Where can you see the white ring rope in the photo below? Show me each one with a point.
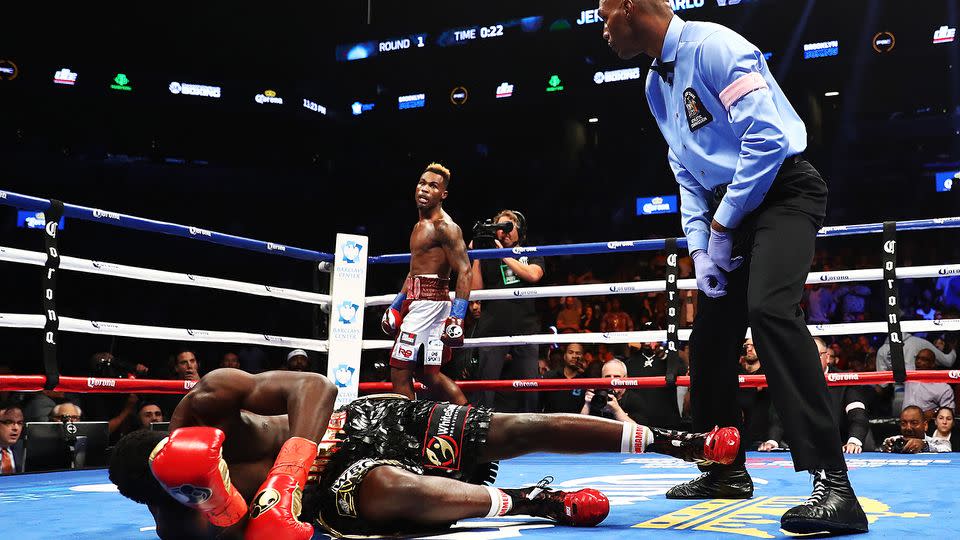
(633, 287)
(69, 324)
(841, 329)
(160, 276)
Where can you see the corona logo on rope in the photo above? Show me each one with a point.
(94, 382)
(615, 245)
(954, 374)
(197, 231)
(104, 214)
(525, 384)
(843, 377)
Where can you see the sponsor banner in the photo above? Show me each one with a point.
(348, 283)
(188, 89)
(944, 34)
(665, 204)
(616, 75)
(945, 181)
(504, 90)
(412, 101)
(65, 76)
(821, 49)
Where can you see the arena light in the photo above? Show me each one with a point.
(593, 120)
(831, 94)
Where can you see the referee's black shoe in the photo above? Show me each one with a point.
(832, 508)
(717, 483)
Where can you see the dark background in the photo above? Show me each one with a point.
(289, 175)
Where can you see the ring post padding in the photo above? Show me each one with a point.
(892, 300)
(348, 283)
(673, 312)
(51, 266)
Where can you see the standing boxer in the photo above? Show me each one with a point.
(750, 207)
(421, 316)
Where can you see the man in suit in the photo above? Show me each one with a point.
(11, 427)
(849, 405)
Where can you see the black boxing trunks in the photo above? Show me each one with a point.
(422, 437)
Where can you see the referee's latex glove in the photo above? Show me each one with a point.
(710, 279)
(720, 249)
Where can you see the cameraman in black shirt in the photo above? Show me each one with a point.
(516, 316)
(616, 403)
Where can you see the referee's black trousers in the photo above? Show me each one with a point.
(777, 242)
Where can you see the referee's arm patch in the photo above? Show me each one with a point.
(741, 87)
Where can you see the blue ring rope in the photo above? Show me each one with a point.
(26, 202)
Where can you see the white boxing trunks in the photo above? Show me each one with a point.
(422, 326)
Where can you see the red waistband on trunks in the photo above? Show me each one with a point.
(428, 288)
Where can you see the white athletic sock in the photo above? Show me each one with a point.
(635, 438)
(500, 502)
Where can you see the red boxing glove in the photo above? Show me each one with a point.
(452, 332)
(189, 465)
(276, 507)
(391, 321)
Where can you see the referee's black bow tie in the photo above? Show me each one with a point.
(665, 69)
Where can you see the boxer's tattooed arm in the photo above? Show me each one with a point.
(451, 238)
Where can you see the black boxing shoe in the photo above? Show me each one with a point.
(725, 483)
(832, 508)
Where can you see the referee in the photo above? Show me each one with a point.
(750, 208)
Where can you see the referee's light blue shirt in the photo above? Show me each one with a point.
(726, 121)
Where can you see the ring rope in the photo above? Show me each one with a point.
(83, 326)
(26, 202)
(646, 336)
(32, 383)
(594, 248)
(76, 264)
(633, 287)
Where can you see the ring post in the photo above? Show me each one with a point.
(348, 283)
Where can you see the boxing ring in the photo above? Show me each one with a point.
(902, 495)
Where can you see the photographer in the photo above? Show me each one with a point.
(116, 409)
(616, 404)
(515, 316)
(913, 438)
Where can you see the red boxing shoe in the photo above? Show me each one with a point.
(720, 445)
(582, 508)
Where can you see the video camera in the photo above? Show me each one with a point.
(600, 399)
(485, 232)
(111, 368)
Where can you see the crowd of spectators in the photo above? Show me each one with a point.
(122, 413)
(915, 417)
